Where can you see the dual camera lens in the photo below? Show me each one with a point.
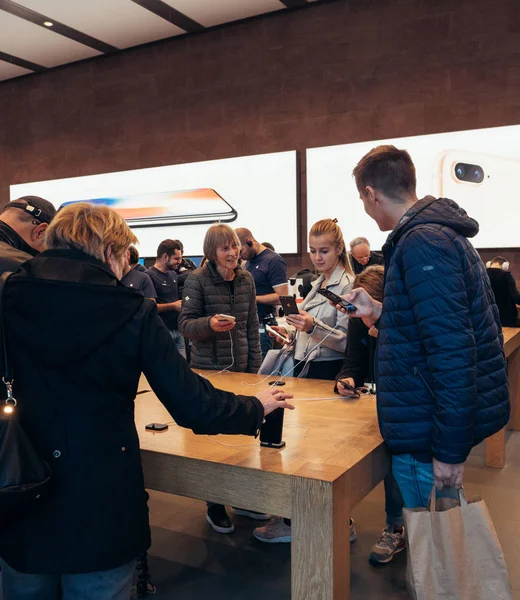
(470, 173)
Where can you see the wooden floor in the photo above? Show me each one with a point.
(191, 562)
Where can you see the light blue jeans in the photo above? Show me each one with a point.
(179, 341)
(115, 584)
(415, 480)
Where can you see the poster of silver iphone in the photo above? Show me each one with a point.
(479, 169)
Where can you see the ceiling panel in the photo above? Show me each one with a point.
(8, 70)
(216, 12)
(121, 23)
(41, 46)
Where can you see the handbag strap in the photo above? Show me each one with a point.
(5, 365)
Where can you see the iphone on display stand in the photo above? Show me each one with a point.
(485, 186)
(188, 207)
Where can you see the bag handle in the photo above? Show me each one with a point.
(461, 498)
(5, 365)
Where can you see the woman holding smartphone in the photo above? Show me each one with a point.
(356, 371)
(219, 316)
(318, 332)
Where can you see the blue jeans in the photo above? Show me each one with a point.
(115, 584)
(415, 480)
(393, 502)
(266, 343)
(179, 342)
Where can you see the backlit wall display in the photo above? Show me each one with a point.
(182, 201)
(479, 169)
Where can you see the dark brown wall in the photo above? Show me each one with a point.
(334, 73)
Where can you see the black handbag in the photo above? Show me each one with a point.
(24, 476)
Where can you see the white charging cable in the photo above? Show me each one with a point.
(304, 359)
(232, 356)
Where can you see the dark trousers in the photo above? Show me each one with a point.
(326, 369)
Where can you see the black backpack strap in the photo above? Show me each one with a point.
(5, 366)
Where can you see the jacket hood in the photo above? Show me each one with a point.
(64, 304)
(497, 275)
(441, 211)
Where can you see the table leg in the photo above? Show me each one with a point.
(320, 551)
(513, 372)
(496, 449)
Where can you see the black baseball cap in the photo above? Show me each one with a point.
(39, 208)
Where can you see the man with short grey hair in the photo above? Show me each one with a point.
(22, 227)
(362, 257)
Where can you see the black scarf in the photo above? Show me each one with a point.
(9, 236)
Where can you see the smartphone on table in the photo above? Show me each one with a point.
(337, 299)
(272, 430)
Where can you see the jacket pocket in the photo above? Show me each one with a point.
(417, 373)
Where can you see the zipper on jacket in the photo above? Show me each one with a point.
(232, 296)
(417, 373)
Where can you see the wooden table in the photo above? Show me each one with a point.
(334, 457)
(496, 444)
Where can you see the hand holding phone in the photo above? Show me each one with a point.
(277, 332)
(346, 387)
(337, 300)
(229, 318)
(219, 324)
(367, 308)
(303, 321)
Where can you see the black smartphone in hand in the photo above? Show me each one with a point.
(349, 387)
(337, 299)
(289, 305)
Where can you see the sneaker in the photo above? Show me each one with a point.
(390, 543)
(353, 534)
(144, 587)
(275, 532)
(251, 514)
(218, 518)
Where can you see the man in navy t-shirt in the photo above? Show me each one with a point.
(269, 271)
(164, 278)
(137, 280)
(134, 260)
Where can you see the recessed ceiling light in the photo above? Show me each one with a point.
(48, 23)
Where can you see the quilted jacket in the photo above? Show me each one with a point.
(440, 366)
(205, 294)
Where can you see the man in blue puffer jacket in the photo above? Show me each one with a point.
(440, 365)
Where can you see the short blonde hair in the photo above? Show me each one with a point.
(218, 235)
(91, 228)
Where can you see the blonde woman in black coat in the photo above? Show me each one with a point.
(78, 341)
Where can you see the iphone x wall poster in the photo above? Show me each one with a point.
(478, 169)
(182, 201)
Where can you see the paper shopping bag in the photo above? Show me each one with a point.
(454, 552)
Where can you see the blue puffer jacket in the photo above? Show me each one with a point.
(440, 365)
